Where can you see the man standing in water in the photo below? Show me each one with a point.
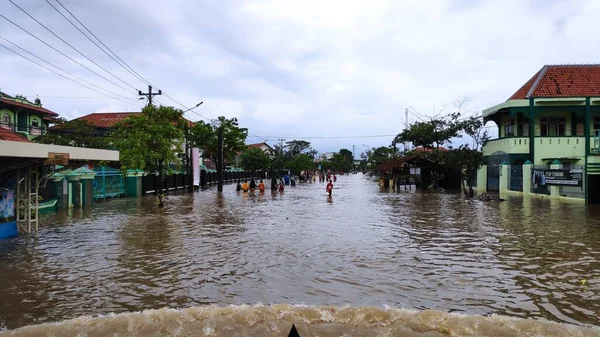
(329, 187)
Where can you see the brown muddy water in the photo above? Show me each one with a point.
(382, 264)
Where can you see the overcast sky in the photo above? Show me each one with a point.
(299, 68)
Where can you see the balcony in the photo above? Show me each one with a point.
(559, 147)
(24, 129)
(512, 145)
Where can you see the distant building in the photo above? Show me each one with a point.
(326, 156)
(21, 118)
(265, 147)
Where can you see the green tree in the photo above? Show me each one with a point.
(205, 136)
(79, 133)
(254, 159)
(434, 132)
(302, 162)
(151, 141)
(377, 156)
(296, 147)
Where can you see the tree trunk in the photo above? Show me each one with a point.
(160, 183)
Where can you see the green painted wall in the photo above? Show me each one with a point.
(10, 113)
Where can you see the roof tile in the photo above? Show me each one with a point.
(12, 136)
(562, 81)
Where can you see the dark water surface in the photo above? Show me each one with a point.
(365, 247)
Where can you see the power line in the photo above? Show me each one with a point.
(124, 64)
(78, 97)
(102, 43)
(89, 38)
(79, 78)
(324, 137)
(34, 19)
(57, 73)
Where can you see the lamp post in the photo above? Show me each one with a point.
(218, 125)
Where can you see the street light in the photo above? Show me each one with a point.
(194, 107)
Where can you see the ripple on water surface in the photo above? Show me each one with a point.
(365, 247)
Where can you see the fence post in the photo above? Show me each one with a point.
(527, 177)
(503, 184)
(482, 179)
(104, 182)
(555, 190)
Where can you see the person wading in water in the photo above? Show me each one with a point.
(329, 187)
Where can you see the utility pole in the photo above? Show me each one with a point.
(405, 128)
(221, 159)
(353, 157)
(149, 94)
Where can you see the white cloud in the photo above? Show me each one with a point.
(310, 68)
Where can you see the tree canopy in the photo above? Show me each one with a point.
(204, 136)
(78, 133)
(151, 140)
(254, 159)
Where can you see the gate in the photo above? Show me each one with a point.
(516, 178)
(493, 170)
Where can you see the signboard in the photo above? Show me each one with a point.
(557, 177)
(356, 162)
(55, 158)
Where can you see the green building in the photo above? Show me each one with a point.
(548, 136)
(27, 119)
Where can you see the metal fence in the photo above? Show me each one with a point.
(574, 191)
(108, 183)
(515, 178)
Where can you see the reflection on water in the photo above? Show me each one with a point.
(364, 247)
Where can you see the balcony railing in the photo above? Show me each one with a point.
(507, 145)
(26, 129)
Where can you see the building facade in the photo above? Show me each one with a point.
(24, 118)
(548, 136)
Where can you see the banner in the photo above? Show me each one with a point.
(557, 177)
(196, 165)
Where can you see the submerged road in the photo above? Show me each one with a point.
(363, 247)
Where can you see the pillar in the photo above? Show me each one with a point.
(133, 184)
(503, 188)
(527, 166)
(87, 195)
(555, 190)
(482, 179)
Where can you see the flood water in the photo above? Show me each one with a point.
(387, 253)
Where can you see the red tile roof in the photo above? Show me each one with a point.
(105, 119)
(110, 119)
(12, 136)
(27, 106)
(562, 81)
(428, 149)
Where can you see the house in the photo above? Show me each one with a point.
(548, 139)
(263, 146)
(21, 118)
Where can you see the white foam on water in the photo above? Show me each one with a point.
(276, 321)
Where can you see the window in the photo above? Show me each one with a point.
(579, 128)
(35, 123)
(508, 128)
(552, 127)
(6, 118)
(596, 123)
(525, 129)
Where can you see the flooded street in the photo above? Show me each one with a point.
(527, 259)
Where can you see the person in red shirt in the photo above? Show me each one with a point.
(329, 187)
(334, 178)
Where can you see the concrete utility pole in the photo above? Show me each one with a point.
(353, 157)
(149, 94)
(405, 128)
(221, 159)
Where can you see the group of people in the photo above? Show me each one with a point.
(252, 186)
(280, 185)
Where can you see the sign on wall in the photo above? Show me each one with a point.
(557, 177)
(55, 158)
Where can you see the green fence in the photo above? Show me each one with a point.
(108, 183)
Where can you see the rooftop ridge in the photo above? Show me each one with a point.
(537, 81)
